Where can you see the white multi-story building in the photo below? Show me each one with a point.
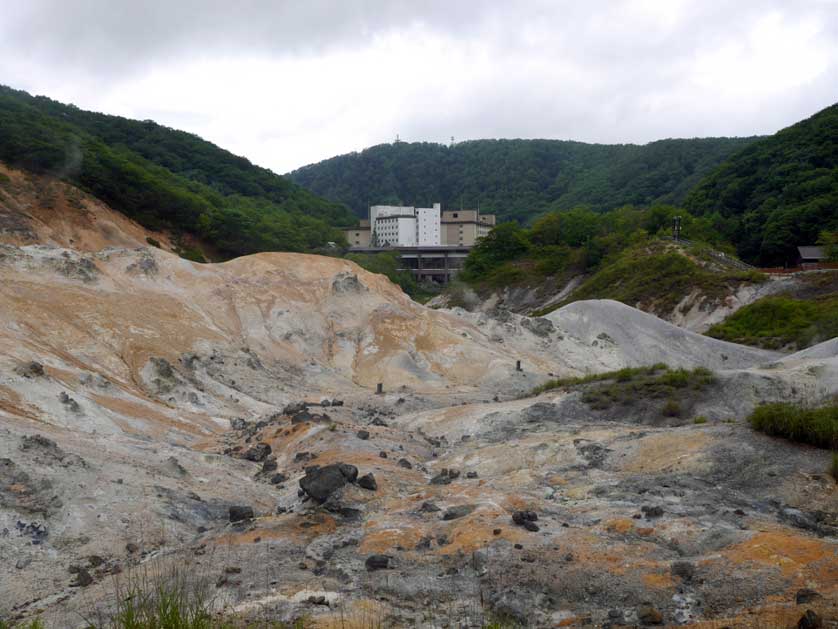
(401, 226)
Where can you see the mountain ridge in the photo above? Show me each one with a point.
(517, 178)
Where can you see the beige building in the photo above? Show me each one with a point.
(464, 227)
(457, 228)
(359, 236)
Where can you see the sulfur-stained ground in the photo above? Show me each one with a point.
(133, 384)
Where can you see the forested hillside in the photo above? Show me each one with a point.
(518, 179)
(166, 178)
(779, 192)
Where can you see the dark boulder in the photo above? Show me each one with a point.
(405, 464)
(810, 620)
(269, 465)
(294, 408)
(377, 562)
(429, 507)
(806, 596)
(257, 453)
(278, 478)
(683, 569)
(519, 517)
(322, 482)
(526, 519)
(240, 513)
(349, 471)
(83, 578)
(652, 512)
(363, 434)
(368, 482)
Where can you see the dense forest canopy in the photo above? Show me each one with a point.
(518, 179)
(779, 192)
(165, 178)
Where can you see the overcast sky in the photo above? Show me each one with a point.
(288, 83)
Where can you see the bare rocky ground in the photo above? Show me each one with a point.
(222, 420)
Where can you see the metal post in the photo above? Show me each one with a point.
(518, 365)
(379, 389)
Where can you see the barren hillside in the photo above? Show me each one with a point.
(223, 418)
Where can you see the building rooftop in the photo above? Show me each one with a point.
(811, 252)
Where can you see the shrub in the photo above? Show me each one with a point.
(833, 468)
(671, 409)
(815, 426)
(700, 419)
(153, 241)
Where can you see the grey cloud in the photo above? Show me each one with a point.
(599, 70)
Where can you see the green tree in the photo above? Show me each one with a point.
(505, 242)
(829, 241)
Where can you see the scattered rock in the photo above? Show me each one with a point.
(541, 412)
(810, 620)
(257, 453)
(69, 402)
(317, 600)
(379, 422)
(526, 519)
(445, 477)
(648, 615)
(278, 478)
(429, 507)
(806, 596)
(683, 569)
(172, 467)
(471, 474)
(83, 578)
(363, 434)
(539, 326)
(293, 408)
(652, 512)
(241, 513)
(377, 562)
(237, 423)
(368, 482)
(405, 464)
(459, 511)
(347, 283)
(31, 370)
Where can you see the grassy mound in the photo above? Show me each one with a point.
(815, 426)
(630, 385)
(776, 322)
(658, 279)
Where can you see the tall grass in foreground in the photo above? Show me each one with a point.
(815, 426)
